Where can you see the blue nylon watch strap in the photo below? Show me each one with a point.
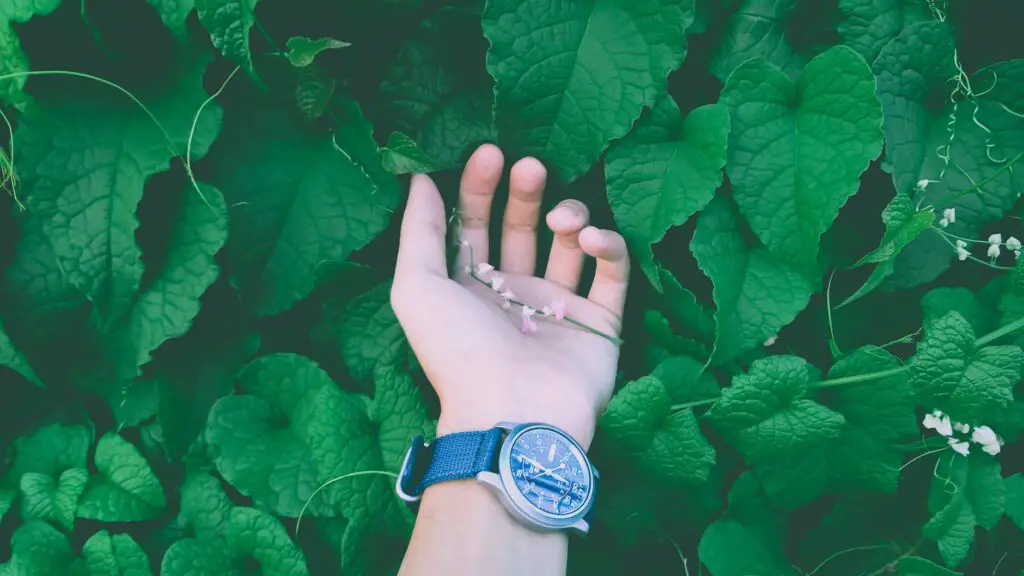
(450, 457)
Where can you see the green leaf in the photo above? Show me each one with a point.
(1014, 488)
(403, 156)
(205, 507)
(293, 431)
(562, 97)
(950, 374)
(44, 499)
(400, 411)
(50, 450)
(370, 331)
(437, 90)
(229, 22)
(302, 51)
(965, 492)
(174, 13)
(756, 293)
(667, 445)
(305, 200)
(38, 549)
(941, 301)
(913, 74)
(85, 190)
(758, 29)
(728, 548)
(766, 414)
(880, 421)
(664, 171)
(166, 308)
(114, 555)
(787, 140)
(313, 92)
(13, 359)
(12, 59)
(903, 223)
(247, 534)
(868, 25)
(686, 380)
(125, 490)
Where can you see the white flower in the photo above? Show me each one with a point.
(959, 447)
(497, 282)
(771, 340)
(962, 254)
(507, 297)
(993, 251)
(995, 239)
(960, 244)
(939, 422)
(949, 214)
(944, 222)
(1013, 244)
(483, 269)
(961, 427)
(988, 439)
(528, 312)
(922, 184)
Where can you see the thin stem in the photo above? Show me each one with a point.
(841, 552)
(890, 565)
(828, 305)
(860, 378)
(694, 404)
(192, 132)
(577, 323)
(298, 521)
(972, 257)
(999, 333)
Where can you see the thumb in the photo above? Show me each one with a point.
(421, 248)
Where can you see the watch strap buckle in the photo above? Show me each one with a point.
(414, 465)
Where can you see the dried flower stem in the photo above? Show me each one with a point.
(577, 323)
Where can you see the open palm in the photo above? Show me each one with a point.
(486, 362)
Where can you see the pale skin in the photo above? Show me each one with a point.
(484, 368)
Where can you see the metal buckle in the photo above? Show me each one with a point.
(417, 445)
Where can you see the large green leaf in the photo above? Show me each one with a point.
(570, 77)
(756, 293)
(953, 375)
(174, 13)
(667, 444)
(126, 489)
(758, 30)
(663, 172)
(766, 413)
(980, 134)
(965, 492)
(85, 190)
(868, 25)
(797, 149)
(437, 91)
(302, 201)
(114, 555)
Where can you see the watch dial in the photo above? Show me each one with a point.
(549, 471)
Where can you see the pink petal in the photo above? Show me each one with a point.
(529, 326)
(558, 307)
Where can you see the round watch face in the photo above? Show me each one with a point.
(549, 471)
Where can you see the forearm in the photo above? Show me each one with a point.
(462, 528)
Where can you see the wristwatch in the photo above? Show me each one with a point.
(539, 472)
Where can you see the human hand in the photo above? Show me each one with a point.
(483, 366)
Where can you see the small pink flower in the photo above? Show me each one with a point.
(483, 269)
(507, 297)
(497, 282)
(529, 325)
(558, 307)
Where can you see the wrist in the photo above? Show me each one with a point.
(580, 426)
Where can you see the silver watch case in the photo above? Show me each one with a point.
(503, 486)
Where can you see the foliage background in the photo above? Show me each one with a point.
(162, 351)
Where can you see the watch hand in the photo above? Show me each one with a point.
(551, 473)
